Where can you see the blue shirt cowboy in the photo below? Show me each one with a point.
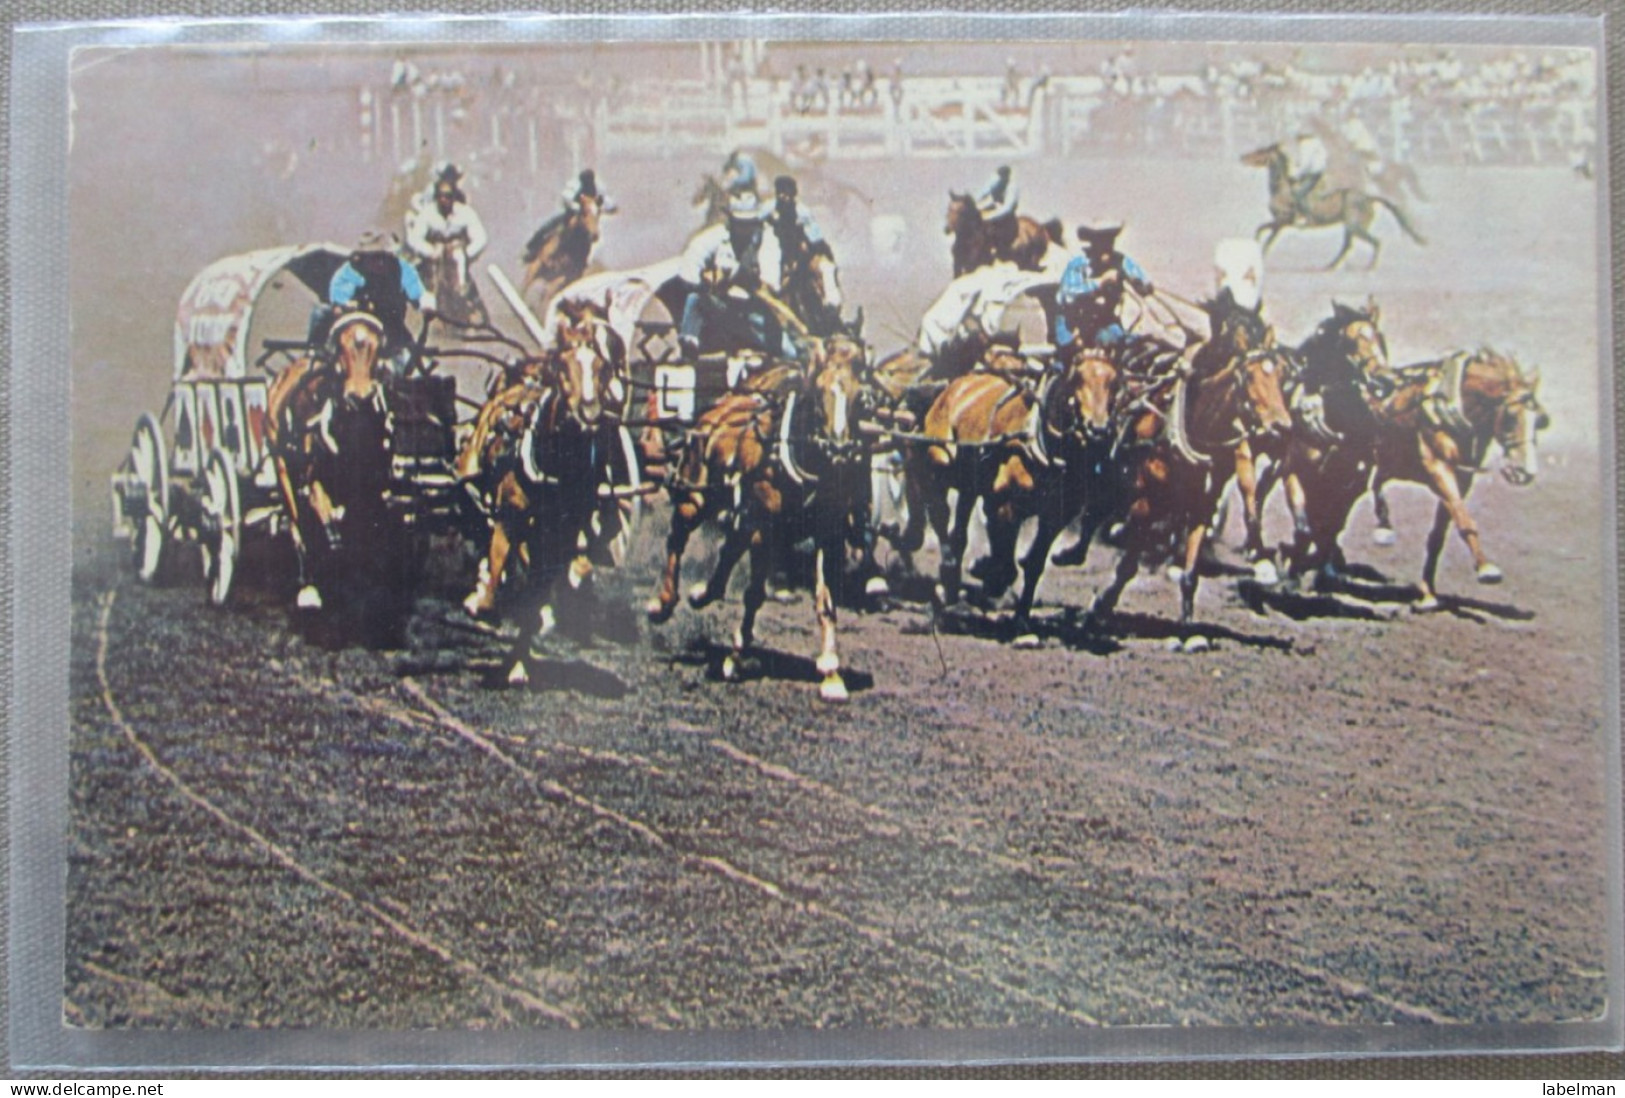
(1088, 299)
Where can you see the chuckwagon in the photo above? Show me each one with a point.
(201, 471)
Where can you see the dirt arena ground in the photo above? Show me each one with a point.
(1343, 813)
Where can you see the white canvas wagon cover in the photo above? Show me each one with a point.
(983, 295)
(628, 294)
(212, 321)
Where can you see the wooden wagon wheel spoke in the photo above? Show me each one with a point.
(222, 529)
(149, 470)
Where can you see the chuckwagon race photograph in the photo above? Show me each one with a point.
(758, 535)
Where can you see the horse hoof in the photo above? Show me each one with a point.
(1490, 574)
(1265, 572)
(833, 690)
(475, 607)
(658, 611)
(1197, 644)
(698, 597)
(1175, 573)
(545, 623)
(1427, 604)
(309, 598)
(1026, 641)
(518, 675)
(876, 588)
(782, 595)
(1384, 535)
(730, 669)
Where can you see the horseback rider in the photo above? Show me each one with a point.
(1307, 159)
(794, 225)
(996, 202)
(739, 175)
(724, 309)
(1089, 301)
(448, 227)
(448, 221)
(584, 185)
(376, 280)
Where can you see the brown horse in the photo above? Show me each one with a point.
(812, 289)
(1352, 210)
(1175, 454)
(457, 297)
(559, 252)
(1327, 461)
(784, 461)
(1024, 446)
(1324, 378)
(327, 428)
(542, 462)
(975, 244)
(1436, 429)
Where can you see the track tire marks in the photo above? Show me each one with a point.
(504, 991)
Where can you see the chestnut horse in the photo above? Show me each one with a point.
(1024, 446)
(1352, 210)
(974, 244)
(541, 460)
(1324, 383)
(558, 254)
(812, 290)
(327, 428)
(784, 462)
(1175, 454)
(1436, 429)
(457, 297)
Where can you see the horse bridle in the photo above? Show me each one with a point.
(1082, 431)
(1248, 420)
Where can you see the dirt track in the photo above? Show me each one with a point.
(1343, 813)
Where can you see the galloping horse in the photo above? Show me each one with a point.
(558, 254)
(975, 247)
(457, 297)
(1175, 454)
(812, 289)
(327, 427)
(1436, 429)
(1330, 452)
(785, 462)
(1024, 446)
(1352, 210)
(537, 461)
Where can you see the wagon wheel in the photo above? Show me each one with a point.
(149, 473)
(630, 507)
(222, 525)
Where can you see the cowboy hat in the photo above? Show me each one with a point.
(1095, 238)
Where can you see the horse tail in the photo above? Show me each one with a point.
(1399, 216)
(1055, 231)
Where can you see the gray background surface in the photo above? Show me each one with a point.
(1534, 1067)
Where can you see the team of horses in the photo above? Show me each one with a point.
(1073, 438)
